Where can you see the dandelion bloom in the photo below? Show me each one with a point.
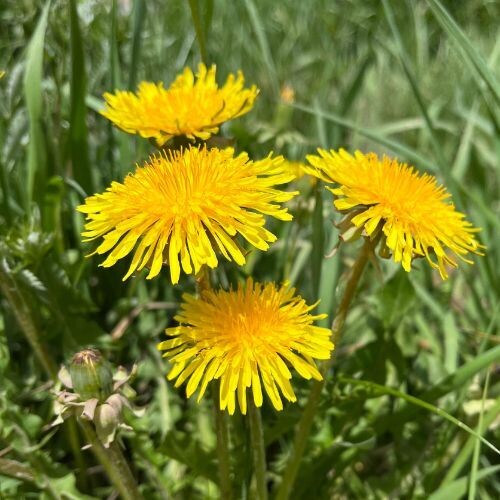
(411, 210)
(186, 206)
(249, 337)
(189, 107)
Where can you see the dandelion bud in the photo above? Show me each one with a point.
(90, 375)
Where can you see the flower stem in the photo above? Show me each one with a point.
(222, 433)
(307, 419)
(258, 450)
(114, 464)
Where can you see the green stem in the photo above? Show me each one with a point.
(114, 463)
(307, 419)
(258, 450)
(222, 433)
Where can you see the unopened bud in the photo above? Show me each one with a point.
(90, 375)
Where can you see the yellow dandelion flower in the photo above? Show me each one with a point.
(411, 210)
(187, 205)
(246, 338)
(190, 107)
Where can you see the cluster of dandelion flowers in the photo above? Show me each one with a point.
(411, 210)
(184, 207)
(191, 107)
(245, 338)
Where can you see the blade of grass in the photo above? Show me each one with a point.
(473, 478)
(121, 165)
(320, 125)
(318, 239)
(115, 70)
(330, 273)
(451, 341)
(461, 161)
(417, 402)
(467, 50)
(460, 164)
(397, 147)
(78, 143)
(36, 167)
(265, 50)
(350, 93)
(200, 34)
(302, 259)
(138, 23)
(404, 59)
(318, 228)
(207, 16)
(468, 448)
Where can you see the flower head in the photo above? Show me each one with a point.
(190, 107)
(186, 206)
(247, 337)
(409, 209)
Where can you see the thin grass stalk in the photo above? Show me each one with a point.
(138, 23)
(473, 479)
(258, 450)
(305, 424)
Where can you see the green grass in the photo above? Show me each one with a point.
(417, 361)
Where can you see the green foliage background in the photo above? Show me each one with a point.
(395, 77)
